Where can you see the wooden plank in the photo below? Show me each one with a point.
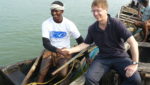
(4, 80)
(16, 77)
(144, 44)
(129, 10)
(147, 75)
(79, 81)
(129, 16)
(127, 19)
(143, 67)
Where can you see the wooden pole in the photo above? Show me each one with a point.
(31, 71)
(72, 59)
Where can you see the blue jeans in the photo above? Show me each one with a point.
(101, 66)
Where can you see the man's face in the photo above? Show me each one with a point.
(145, 4)
(99, 13)
(57, 14)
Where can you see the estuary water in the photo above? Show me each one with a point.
(20, 25)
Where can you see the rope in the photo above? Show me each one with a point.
(35, 83)
(66, 75)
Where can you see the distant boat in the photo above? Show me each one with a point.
(129, 16)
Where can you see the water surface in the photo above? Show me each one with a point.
(20, 24)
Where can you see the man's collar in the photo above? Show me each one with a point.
(108, 23)
(108, 19)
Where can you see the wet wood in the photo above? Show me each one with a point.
(132, 19)
(128, 21)
(144, 51)
(79, 81)
(128, 16)
(32, 70)
(144, 67)
(129, 10)
(144, 44)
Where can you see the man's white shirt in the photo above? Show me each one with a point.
(59, 33)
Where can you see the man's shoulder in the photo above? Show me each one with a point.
(93, 26)
(68, 21)
(49, 20)
(114, 20)
(115, 23)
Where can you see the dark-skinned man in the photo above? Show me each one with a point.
(145, 23)
(56, 32)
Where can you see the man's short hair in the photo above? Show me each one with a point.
(101, 3)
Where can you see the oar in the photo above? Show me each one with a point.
(32, 69)
(72, 59)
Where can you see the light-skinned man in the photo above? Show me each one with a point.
(109, 34)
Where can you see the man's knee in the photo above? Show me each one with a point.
(64, 72)
(135, 79)
(89, 77)
(42, 73)
(61, 61)
(91, 80)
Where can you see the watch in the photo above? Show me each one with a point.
(134, 63)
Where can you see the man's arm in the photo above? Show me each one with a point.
(131, 69)
(47, 45)
(133, 48)
(77, 48)
(80, 40)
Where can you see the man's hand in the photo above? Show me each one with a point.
(131, 69)
(64, 53)
(66, 50)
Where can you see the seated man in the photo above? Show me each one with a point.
(109, 34)
(56, 32)
(145, 23)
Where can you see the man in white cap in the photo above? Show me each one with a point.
(56, 32)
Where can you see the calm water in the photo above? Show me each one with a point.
(20, 25)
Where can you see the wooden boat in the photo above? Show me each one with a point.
(129, 16)
(17, 73)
